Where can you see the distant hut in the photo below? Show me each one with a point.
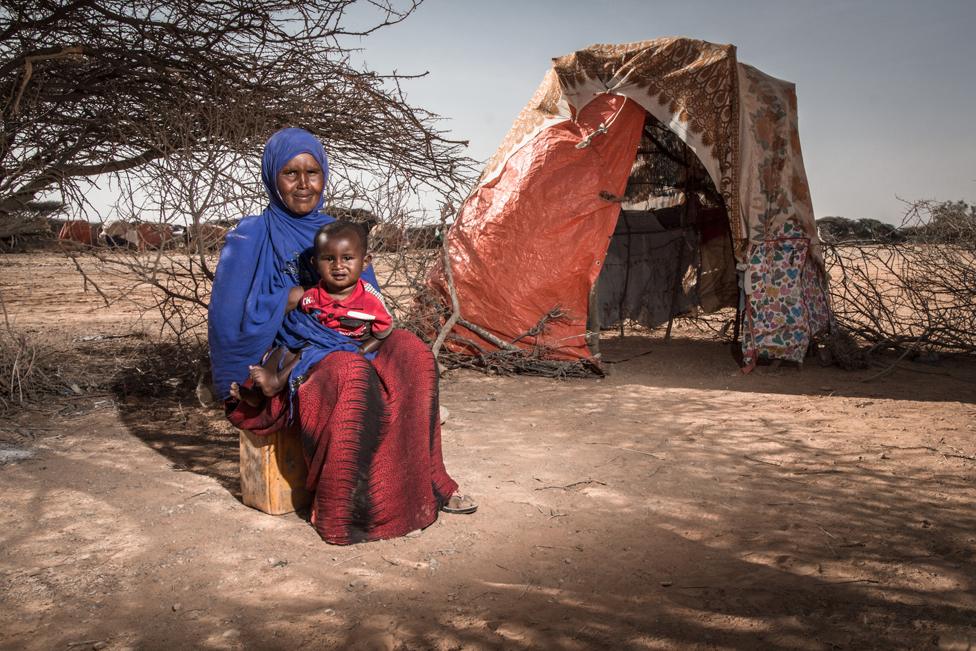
(208, 236)
(78, 231)
(153, 236)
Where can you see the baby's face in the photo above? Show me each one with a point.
(340, 261)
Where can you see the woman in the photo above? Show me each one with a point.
(370, 429)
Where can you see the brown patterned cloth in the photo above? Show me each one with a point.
(741, 123)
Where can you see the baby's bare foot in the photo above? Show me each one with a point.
(265, 379)
(235, 391)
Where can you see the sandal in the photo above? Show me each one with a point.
(459, 504)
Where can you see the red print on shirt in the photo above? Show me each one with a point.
(351, 315)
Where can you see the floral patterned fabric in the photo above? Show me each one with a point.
(785, 301)
(814, 288)
(772, 180)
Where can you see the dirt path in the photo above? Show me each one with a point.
(674, 504)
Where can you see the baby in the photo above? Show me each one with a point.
(341, 301)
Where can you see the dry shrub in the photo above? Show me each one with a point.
(917, 294)
(181, 147)
(30, 370)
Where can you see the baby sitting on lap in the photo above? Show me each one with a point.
(341, 301)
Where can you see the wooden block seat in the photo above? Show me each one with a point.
(273, 473)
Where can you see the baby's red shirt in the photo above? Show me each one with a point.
(334, 314)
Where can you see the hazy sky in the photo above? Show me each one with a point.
(886, 88)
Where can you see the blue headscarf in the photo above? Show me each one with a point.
(263, 258)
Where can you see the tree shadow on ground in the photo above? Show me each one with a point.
(155, 394)
(744, 538)
(729, 527)
(190, 438)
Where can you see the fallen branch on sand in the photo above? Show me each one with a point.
(574, 484)
(617, 447)
(922, 337)
(912, 293)
(955, 454)
(29, 367)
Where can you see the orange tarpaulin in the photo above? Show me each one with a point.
(545, 250)
(77, 231)
(154, 236)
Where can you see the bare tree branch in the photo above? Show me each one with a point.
(99, 96)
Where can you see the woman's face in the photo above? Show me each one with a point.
(300, 183)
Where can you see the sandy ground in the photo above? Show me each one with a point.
(674, 504)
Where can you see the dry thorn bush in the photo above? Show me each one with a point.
(30, 368)
(169, 105)
(915, 291)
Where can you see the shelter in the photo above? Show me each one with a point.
(143, 236)
(205, 236)
(78, 231)
(153, 236)
(642, 181)
(118, 233)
